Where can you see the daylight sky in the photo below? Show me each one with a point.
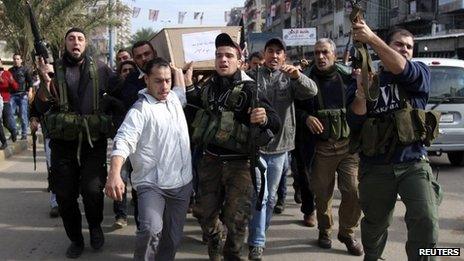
(169, 9)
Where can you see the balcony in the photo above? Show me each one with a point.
(453, 6)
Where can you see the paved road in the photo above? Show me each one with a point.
(27, 233)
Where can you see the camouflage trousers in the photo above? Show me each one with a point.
(224, 190)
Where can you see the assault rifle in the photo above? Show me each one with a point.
(40, 46)
(362, 59)
(255, 163)
(41, 49)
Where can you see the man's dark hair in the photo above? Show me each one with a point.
(124, 63)
(17, 54)
(157, 62)
(142, 43)
(122, 50)
(397, 30)
(258, 55)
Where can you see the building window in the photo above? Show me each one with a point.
(340, 30)
(314, 11)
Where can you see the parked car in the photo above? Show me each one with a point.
(447, 96)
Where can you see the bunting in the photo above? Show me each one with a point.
(196, 15)
(181, 17)
(153, 15)
(135, 12)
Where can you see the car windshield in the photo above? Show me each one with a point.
(447, 82)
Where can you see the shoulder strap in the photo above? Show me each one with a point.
(342, 89)
(62, 86)
(232, 100)
(96, 87)
(404, 97)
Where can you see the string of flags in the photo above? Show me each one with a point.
(154, 14)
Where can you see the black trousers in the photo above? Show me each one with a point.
(302, 158)
(69, 179)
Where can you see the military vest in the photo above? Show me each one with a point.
(334, 120)
(220, 128)
(408, 125)
(68, 125)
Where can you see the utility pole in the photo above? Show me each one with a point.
(110, 36)
(435, 19)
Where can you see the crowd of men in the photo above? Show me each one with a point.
(182, 141)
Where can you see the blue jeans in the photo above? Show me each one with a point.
(20, 100)
(282, 190)
(261, 219)
(8, 118)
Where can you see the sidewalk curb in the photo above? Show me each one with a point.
(19, 146)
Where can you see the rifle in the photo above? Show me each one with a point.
(255, 163)
(362, 59)
(42, 50)
(40, 46)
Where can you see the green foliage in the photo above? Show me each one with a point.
(54, 17)
(144, 34)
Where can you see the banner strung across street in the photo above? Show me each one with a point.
(299, 36)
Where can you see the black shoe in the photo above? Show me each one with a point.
(23, 137)
(324, 241)
(279, 207)
(4, 145)
(75, 250)
(97, 239)
(13, 137)
(54, 212)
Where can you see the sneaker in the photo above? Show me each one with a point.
(75, 250)
(324, 241)
(309, 220)
(97, 239)
(4, 145)
(23, 137)
(354, 247)
(120, 223)
(256, 253)
(54, 212)
(279, 207)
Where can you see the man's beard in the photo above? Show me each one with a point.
(71, 59)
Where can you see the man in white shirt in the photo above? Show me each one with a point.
(154, 136)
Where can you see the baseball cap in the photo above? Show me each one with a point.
(276, 41)
(224, 39)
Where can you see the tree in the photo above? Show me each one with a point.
(144, 34)
(54, 17)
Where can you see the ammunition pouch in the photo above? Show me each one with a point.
(68, 126)
(414, 125)
(335, 124)
(404, 127)
(221, 130)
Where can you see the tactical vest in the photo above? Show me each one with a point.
(67, 125)
(334, 120)
(408, 125)
(220, 129)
